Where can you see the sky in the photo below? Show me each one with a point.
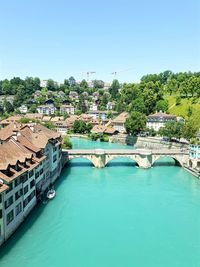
(61, 38)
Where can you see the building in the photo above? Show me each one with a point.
(18, 172)
(103, 129)
(61, 127)
(48, 109)
(37, 94)
(95, 95)
(30, 161)
(11, 119)
(94, 106)
(110, 105)
(3, 189)
(158, 120)
(73, 95)
(69, 109)
(100, 114)
(119, 122)
(23, 109)
(43, 83)
(195, 156)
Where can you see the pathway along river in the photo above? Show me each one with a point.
(119, 216)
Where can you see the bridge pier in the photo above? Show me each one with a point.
(99, 158)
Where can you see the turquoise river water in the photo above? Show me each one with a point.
(119, 216)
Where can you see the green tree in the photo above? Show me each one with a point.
(172, 129)
(114, 89)
(135, 123)
(8, 106)
(67, 144)
(162, 105)
(84, 84)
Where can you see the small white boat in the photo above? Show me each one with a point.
(51, 194)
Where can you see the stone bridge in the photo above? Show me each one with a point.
(143, 158)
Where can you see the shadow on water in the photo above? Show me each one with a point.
(80, 164)
(23, 228)
(121, 164)
(31, 218)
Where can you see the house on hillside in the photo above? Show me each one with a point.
(73, 95)
(158, 120)
(23, 109)
(119, 122)
(100, 114)
(69, 109)
(48, 109)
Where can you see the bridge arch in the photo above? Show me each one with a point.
(111, 158)
(176, 159)
(87, 158)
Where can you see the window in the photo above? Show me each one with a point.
(9, 202)
(54, 158)
(17, 181)
(37, 175)
(18, 209)
(18, 194)
(10, 188)
(0, 213)
(25, 202)
(31, 173)
(25, 177)
(25, 189)
(32, 183)
(10, 217)
(0, 198)
(41, 171)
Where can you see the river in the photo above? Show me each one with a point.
(119, 216)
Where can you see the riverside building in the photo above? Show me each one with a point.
(30, 161)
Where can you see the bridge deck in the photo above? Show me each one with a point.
(125, 152)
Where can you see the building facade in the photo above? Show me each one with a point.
(158, 120)
(30, 161)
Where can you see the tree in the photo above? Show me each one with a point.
(172, 129)
(81, 126)
(135, 123)
(1, 109)
(8, 106)
(190, 129)
(67, 144)
(72, 81)
(51, 85)
(84, 84)
(98, 84)
(114, 89)
(162, 105)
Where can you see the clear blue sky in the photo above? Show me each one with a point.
(59, 38)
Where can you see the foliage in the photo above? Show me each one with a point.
(99, 136)
(114, 89)
(81, 127)
(67, 144)
(172, 129)
(49, 125)
(135, 123)
(162, 105)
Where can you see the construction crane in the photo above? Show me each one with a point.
(88, 73)
(115, 73)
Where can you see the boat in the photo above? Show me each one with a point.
(51, 194)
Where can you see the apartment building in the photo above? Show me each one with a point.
(69, 109)
(47, 109)
(3, 189)
(30, 160)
